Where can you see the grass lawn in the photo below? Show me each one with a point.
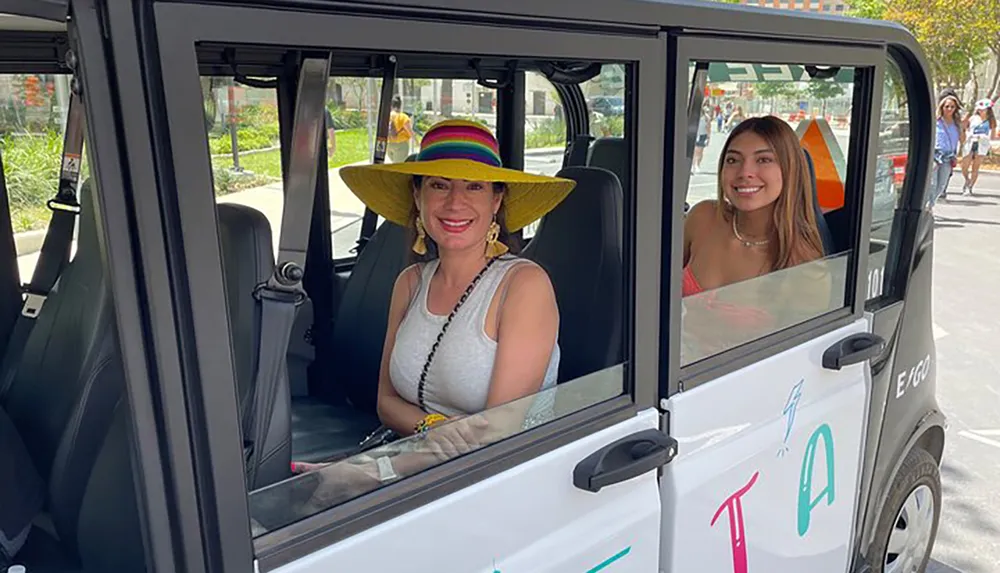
(352, 147)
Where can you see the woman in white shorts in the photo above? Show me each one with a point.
(979, 130)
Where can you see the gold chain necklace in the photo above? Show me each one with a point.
(746, 243)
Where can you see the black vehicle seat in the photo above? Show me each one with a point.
(336, 420)
(70, 376)
(579, 244)
(611, 153)
(821, 222)
(248, 260)
(68, 392)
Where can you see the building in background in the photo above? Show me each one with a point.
(822, 6)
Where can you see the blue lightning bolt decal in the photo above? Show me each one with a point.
(791, 406)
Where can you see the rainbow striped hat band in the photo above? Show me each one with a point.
(455, 149)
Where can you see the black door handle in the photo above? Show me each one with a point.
(854, 349)
(624, 459)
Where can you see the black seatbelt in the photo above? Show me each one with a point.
(576, 155)
(54, 254)
(281, 295)
(370, 218)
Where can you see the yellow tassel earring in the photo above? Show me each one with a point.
(420, 245)
(494, 248)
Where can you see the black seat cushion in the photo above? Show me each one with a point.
(579, 244)
(248, 260)
(362, 319)
(323, 431)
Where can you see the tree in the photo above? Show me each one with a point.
(824, 90)
(871, 9)
(953, 33)
(777, 90)
(991, 15)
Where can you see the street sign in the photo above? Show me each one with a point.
(737, 72)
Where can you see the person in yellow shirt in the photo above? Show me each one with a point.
(400, 132)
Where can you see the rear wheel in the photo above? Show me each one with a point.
(908, 525)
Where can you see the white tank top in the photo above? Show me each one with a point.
(459, 376)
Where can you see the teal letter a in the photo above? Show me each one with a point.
(806, 501)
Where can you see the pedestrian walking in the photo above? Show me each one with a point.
(980, 128)
(949, 139)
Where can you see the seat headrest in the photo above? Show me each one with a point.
(579, 244)
(594, 204)
(611, 153)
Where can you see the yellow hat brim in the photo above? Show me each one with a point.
(386, 189)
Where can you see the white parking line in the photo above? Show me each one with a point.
(980, 439)
(939, 332)
(987, 432)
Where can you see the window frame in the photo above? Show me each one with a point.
(179, 28)
(869, 62)
(898, 259)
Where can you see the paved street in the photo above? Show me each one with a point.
(966, 308)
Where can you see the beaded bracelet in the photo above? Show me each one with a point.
(427, 421)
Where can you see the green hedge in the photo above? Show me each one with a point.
(548, 132)
(31, 171)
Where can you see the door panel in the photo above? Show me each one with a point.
(750, 488)
(529, 518)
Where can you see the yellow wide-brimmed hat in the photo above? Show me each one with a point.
(455, 149)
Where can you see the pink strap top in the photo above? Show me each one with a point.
(690, 284)
(735, 314)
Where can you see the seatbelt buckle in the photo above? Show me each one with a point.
(68, 204)
(265, 290)
(33, 303)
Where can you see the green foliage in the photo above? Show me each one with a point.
(772, 90)
(31, 169)
(549, 132)
(872, 9)
(824, 90)
(607, 125)
(346, 118)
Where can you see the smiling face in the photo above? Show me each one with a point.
(457, 214)
(751, 176)
(948, 108)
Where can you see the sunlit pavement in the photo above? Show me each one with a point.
(966, 312)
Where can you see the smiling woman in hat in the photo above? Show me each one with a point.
(471, 326)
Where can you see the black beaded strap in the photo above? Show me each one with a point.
(444, 328)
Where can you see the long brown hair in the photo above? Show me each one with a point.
(956, 116)
(795, 234)
(432, 250)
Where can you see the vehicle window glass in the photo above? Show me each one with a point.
(605, 95)
(744, 278)
(544, 131)
(545, 140)
(890, 171)
(544, 126)
(32, 127)
(352, 107)
(249, 172)
(585, 366)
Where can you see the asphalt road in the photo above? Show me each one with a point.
(966, 309)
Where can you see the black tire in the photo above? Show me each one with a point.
(918, 468)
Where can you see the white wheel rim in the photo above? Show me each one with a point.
(911, 533)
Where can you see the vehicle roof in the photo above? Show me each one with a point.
(653, 14)
(637, 16)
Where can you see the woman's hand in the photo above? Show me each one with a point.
(459, 436)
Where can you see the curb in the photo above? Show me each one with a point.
(28, 242)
